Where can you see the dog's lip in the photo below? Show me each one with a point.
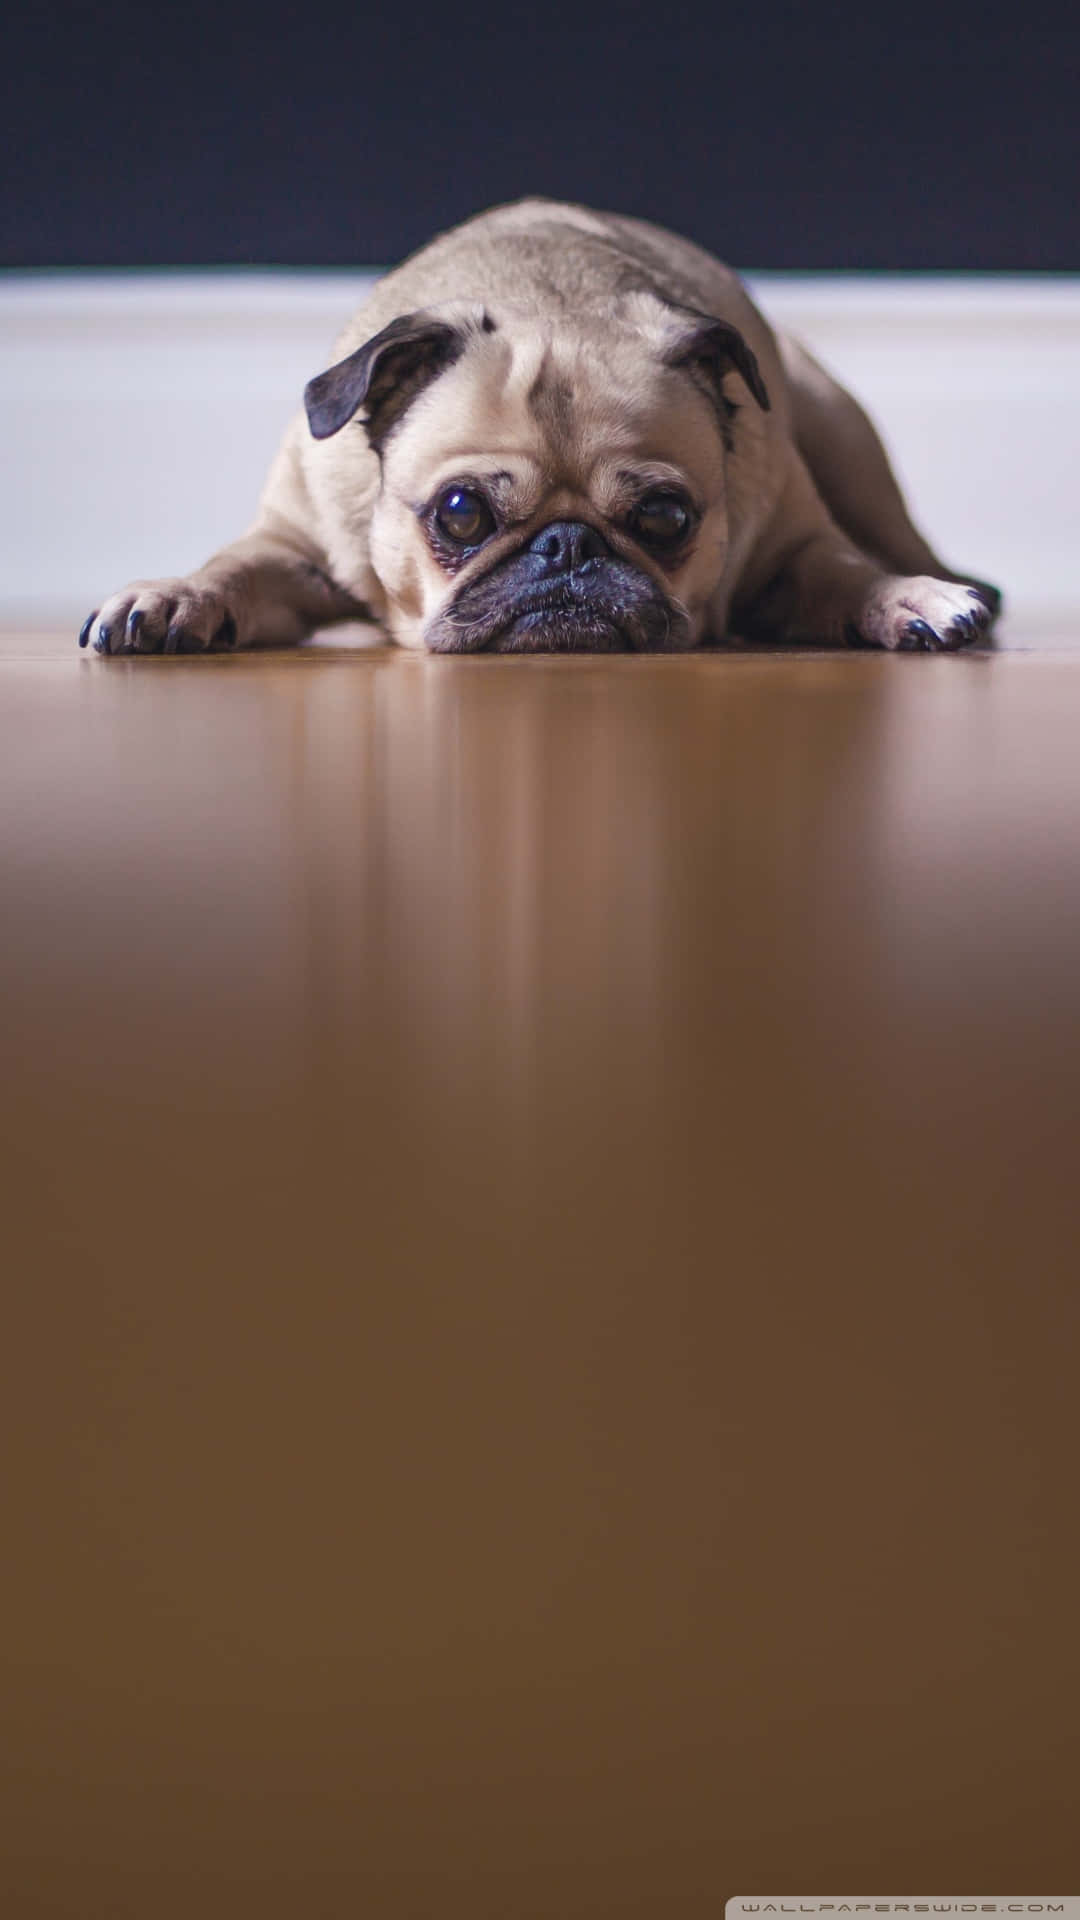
(565, 593)
(535, 613)
(564, 599)
(562, 596)
(557, 603)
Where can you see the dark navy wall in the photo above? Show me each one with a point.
(819, 136)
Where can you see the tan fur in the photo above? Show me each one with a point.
(803, 535)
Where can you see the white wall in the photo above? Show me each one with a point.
(140, 413)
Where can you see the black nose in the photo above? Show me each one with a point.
(567, 544)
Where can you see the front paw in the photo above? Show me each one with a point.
(921, 615)
(162, 616)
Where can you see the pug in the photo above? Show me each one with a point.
(559, 430)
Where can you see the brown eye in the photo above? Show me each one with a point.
(661, 519)
(464, 516)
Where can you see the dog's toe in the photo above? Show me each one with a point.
(990, 596)
(918, 637)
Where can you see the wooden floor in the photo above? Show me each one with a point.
(541, 1202)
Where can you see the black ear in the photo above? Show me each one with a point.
(385, 376)
(718, 347)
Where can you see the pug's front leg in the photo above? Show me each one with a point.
(826, 593)
(808, 584)
(267, 589)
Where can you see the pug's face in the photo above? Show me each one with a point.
(546, 488)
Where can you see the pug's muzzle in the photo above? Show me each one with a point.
(565, 592)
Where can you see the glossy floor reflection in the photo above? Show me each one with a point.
(541, 1209)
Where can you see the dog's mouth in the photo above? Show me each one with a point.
(562, 621)
(605, 607)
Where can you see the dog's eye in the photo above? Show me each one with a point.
(464, 516)
(661, 519)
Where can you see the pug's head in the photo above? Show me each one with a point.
(547, 482)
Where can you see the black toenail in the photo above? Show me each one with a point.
(135, 620)
(101, 644)
(171, 640)
(988, 597)
(84, 631)
(918, 637)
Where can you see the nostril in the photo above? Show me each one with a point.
(568, 544)
(587, 546)
(549, 544)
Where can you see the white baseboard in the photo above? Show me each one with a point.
(141, 412)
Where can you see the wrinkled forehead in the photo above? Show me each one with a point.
(553, 409)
